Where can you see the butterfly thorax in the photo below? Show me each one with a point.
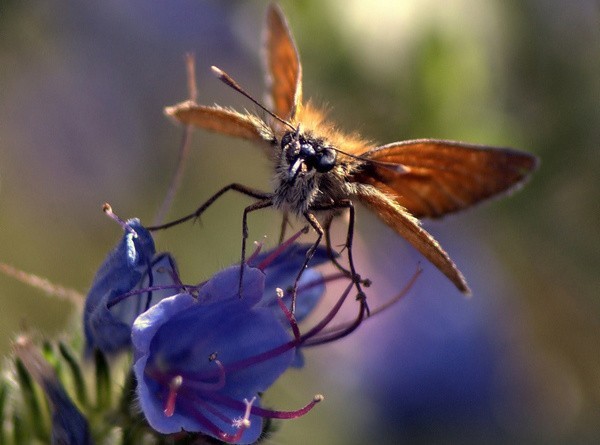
(306, 173)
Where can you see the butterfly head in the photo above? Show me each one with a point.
(304, 155)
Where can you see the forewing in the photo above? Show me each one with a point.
(436, 177)
(283, 69)
(221, 120)
(408, 227)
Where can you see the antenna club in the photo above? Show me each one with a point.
(217, 71)
(228, 80)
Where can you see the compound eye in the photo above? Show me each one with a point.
(326, 161)
(286, 139)
(307, 151)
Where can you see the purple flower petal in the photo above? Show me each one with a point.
(131, 265)
(220, 287)
(219, 349)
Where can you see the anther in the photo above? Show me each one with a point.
(258, 245)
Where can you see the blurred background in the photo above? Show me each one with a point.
(82, 88)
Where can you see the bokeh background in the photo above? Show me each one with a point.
(82, 87)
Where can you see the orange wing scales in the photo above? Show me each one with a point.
(284, 79)
(408, 227)
(221, 120)
(443, 176)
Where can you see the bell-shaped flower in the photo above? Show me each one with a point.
(132, 266)
(202, 361)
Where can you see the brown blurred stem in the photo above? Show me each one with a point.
(184, 146)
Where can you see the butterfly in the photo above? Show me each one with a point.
(320, 170)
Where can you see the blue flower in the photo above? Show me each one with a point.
(131, 266)
(202, 361)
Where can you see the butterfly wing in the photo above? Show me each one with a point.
(436, 177)
(282, 66)
(221, 120)
(408, 227)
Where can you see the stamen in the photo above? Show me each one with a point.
(271, 414)
(401, 294)
(241, 424)
(259, 358)
(288, 315)
(106, 208)
(259, 246)
(337, 332)
(268, 260)
(195, 407)
(244, 422)
(174, 386)
(332, 313)
(198, 381)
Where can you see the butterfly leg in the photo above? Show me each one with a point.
(253, 193)
(251, 208)
(349, 240)
(358, 281)
(314, 222)
(284, 223)
(264, 201)
(333, 255)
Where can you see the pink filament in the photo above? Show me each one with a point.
(174, 386)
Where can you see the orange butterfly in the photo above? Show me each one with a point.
(320, 169)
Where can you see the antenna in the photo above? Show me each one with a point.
(227, 80)
(396, 168)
